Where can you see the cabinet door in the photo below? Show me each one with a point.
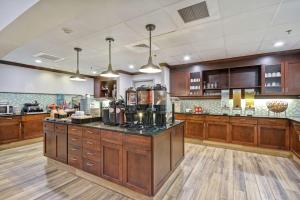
(295, 138)
(50, 143)
(194, 129)
(292, 77)
(218, 131)
(179, 83)
(245, 134)
(111, 165)
(137, 169)
(10, 130)
(177, 145)
(62, 146)
(32, 129)
(276, 137)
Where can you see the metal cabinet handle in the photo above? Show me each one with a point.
(9, 118)
(89, 153)
(74, 159)
(88, 142)
(89, 164)
(73, 149)
(73, 139)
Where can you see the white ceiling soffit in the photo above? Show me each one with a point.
(212, 6)
(40, 19)
(11, 9)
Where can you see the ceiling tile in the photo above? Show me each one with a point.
(254, 20)
(267, 45)
(233, 7)
(162, 21)
(288, 13)
(242, 50)
(280, 31)
(201, 45)
(212, 54)
(237, 40)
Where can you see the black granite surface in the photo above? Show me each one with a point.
(101, 125)
(293, 118)
(21, 114)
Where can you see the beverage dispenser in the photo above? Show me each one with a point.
(131, 105)
(160, 101)
(144, 105)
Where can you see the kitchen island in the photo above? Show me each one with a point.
(139, 160)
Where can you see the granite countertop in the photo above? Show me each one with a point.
(101, 125)
(23, 114)
(293, 118)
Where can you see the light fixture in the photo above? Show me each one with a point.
(131, 66)
(278, 44)
(77, 76)
(150, 67)
(186, 58)
(110, 73)
(38, 61)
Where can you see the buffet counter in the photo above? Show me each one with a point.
(141, 160)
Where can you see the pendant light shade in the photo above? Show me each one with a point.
(109, 73)
(150, 67)
(77, 76)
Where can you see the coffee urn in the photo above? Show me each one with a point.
(144, 105)
(160, 102)
(131, 106)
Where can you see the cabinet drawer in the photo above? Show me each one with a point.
(137, 142)
(243, 120)
(91, 133)
(180, 116)
(75, 161)
(112, 137)
(61, 128)
(196, 117)
(273, 122)
(91, 167)
(48, 126)
(91, 144)
(75, 139)
(218, 118)
(75, 130)
(74, 150)
(91, 154)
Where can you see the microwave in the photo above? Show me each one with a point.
(6, 109)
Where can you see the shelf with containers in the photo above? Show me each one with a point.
(195, 84)
(273, 79)
(214, 81)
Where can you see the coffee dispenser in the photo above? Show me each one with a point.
(131, 106)
(160, 102)
(144, 105)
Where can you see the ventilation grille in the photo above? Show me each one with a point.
(141, 46)
(194, 12)
(48, 57)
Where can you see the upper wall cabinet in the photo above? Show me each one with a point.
(179, 83)
(273, 79)
(292, 77)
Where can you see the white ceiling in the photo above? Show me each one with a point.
(234, 28)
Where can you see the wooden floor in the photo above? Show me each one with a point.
(206, 173)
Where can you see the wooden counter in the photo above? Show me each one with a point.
(142, 163)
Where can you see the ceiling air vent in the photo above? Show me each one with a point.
(48, 57)
(194, 12)
(141, 46)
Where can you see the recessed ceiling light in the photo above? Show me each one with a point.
(38, 61)
(94, 72)
(278, 44)
(131, 66)
(186, 58)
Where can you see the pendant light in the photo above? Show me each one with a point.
(150, 67)
(77, 76)
(109, 73)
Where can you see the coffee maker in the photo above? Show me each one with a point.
(159, 104)
(116, 112)
(144, 106)
(131, 106)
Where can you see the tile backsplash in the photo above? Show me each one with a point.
(214, 106)
(18, 99)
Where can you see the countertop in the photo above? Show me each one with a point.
(293, 118)
(101, 125)
(23, 114)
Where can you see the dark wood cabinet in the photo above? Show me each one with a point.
(292, 77)
(295, 138)
(273, 133)
(243, 131)
(217, 128)
(179, 83)
(195, 129)
(273, 79)
(137, 163)
(111, 154)
(55, 140)
(10, 129)
(75, 146)
(32, 125)
(177, 145)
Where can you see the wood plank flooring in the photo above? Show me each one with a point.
(205, 173)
